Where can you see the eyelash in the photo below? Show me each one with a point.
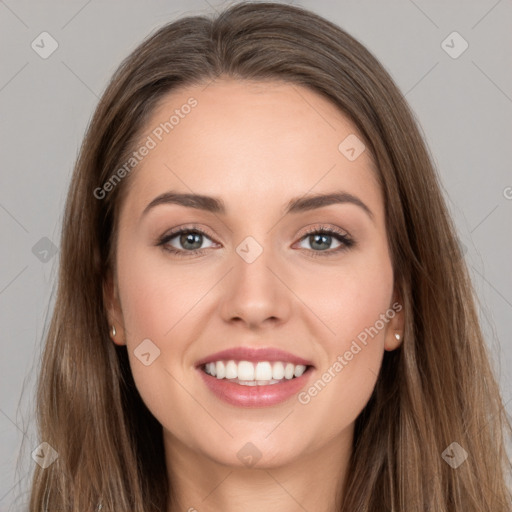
(344, 239)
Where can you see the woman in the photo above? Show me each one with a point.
(258, 369)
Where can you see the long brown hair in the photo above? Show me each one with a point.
(437, 388)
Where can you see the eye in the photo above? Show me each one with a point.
(321, 236)
(189, 238)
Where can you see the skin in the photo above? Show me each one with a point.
(256, 146)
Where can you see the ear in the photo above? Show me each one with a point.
(113, 309)
(395, 329)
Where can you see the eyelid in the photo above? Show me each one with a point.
(186, 227)
(313, 228)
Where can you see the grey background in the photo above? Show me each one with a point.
(463, 106)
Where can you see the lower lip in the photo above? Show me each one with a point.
(255, 396)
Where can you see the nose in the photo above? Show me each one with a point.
(255, 293)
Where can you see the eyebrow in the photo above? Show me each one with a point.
(295, 205)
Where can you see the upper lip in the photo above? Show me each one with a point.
(254, 355)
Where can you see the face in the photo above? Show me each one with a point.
(266, 270)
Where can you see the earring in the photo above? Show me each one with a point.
(397, 336)
(113, 331)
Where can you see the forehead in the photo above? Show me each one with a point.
(256, 141)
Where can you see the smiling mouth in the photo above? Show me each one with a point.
(261, 373)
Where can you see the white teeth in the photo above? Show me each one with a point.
(211, 369)
(247, 382)
(231, 370)
(220, 370)
(288, 371)
(278, 370)
(245, 370)
(256, 382)
(299, 370)
(247, 373)
(263, 371)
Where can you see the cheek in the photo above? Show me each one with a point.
(156, 295)
(158, 301)
(350, 299)
(354, 306)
